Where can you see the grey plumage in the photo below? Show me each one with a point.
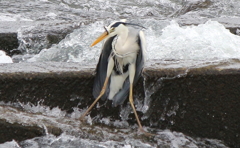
(101, 70)
(120, 65)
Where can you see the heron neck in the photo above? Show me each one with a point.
(122, 38)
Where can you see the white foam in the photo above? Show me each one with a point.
(203, 42)
(4, 58)
(45, 110)
(52, 15)
(12, 17)
(177, 139)
(84, 135)
(207, 41)
(75, 47)
(10, 144)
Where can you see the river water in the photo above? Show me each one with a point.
(169, 33)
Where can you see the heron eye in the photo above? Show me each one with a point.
(111, 30)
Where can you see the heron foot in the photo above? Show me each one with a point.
(82, 119)
(146, 133)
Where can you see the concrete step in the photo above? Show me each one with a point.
(197, 98)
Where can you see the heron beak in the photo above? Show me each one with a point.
(100, 38)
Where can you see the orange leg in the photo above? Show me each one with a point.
(109, 71)
(131, 79)
(133, 107)
(135, 112)
(96, 100)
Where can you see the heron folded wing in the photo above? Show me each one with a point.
(121, 96)
(101, 70)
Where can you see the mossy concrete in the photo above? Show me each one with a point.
(198, 99)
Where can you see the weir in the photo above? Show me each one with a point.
(188, 94)
(200, 99)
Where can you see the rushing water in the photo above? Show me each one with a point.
(167, 38)
(169, 42)
(76, 135)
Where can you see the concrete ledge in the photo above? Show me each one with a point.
(8, 42)
(18, 132)
(204, 102)
(21, 125)
(196, 98)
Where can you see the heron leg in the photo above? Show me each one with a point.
(133, 107)
(109, 71)
(96, 100)
(132, 70)
(131, 79)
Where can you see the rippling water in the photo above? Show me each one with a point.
(102, 9)
(167, 39)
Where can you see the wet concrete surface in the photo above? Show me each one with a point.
(199, 99)
(10, 131)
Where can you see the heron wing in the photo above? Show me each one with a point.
(101, 70)
(121, 96)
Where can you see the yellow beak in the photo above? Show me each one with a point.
(100, 38)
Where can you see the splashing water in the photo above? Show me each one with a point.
(76, 134)
(74, 48)
(4, 58)
(203, 42)
(207, 41)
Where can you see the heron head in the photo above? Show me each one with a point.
(111, 30)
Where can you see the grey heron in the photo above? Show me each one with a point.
(120, 64)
